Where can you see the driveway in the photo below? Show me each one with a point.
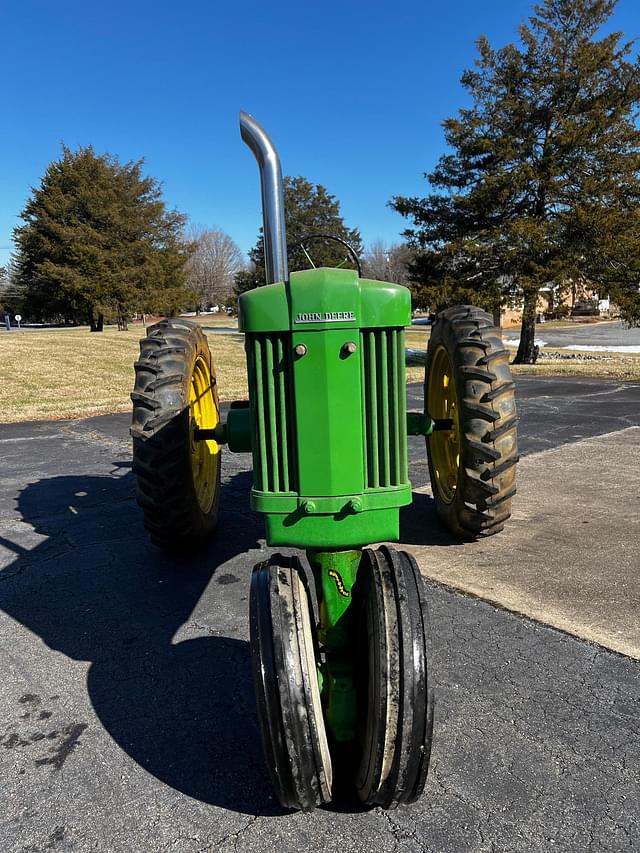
(128, 714)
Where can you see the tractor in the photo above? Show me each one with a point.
(339, 638)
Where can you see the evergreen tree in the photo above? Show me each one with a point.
(97, 240)
(309, 209)
(542, 183)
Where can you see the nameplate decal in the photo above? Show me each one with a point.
(325, 317)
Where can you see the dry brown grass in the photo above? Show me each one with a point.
(615, 365)
(224, 321)
(70, 373)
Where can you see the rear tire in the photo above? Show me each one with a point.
(177, 478)
(468, 379)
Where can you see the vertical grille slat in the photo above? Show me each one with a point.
(253, 397)
(383, 398)
(365, 405)
(401, 383)
(271, 399)
(395, 424)
(272, 419)
(260, 415)
(282, 415)
(372, 412)
(384, 406)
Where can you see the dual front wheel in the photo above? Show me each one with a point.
(389, 756)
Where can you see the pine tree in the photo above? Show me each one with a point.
(309, 209)
(97, 240)
(542, 183)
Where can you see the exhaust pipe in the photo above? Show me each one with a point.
(273, 226)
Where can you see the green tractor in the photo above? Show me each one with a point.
(339, 644)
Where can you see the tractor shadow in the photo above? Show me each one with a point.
(420, 525)
(180, 704)
(419, 522)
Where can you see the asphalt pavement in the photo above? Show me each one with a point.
(605, 334)
(128, 713)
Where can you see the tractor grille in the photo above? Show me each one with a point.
(384, 407)
(271, 396)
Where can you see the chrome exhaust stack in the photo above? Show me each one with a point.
(273, 224)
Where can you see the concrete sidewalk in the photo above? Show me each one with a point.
(570, 555)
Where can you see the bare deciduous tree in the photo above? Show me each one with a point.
(212, 267)
(387, 263)
(12, 294)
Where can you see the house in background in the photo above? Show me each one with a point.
(560, 301)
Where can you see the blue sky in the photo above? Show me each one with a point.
(352, 93)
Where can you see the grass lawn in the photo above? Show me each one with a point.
(67, 373)
(615, 365)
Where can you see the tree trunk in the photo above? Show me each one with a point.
(527, 350)
(96, 325)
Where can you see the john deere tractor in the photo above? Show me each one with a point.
(339, 639)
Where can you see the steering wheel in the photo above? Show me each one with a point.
(309, 238)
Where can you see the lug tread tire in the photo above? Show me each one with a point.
(161, 442)
(487, 418)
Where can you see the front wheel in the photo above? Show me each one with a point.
(286, 685)
(394, 682)
(468, 383)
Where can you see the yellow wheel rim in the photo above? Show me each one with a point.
(203, 414)
(444, 446)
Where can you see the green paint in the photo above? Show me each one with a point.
(328, 422)
(335, 574)
(328, 414)
(265, 309)
(238, 429)
(341, 706)
(419, 424)
(336, 530)
(275, 307)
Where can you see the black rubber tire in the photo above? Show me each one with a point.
(286, 685)
(395, 694)
(161, 436)
(485, 392)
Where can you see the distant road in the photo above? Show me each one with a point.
(584, 336)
